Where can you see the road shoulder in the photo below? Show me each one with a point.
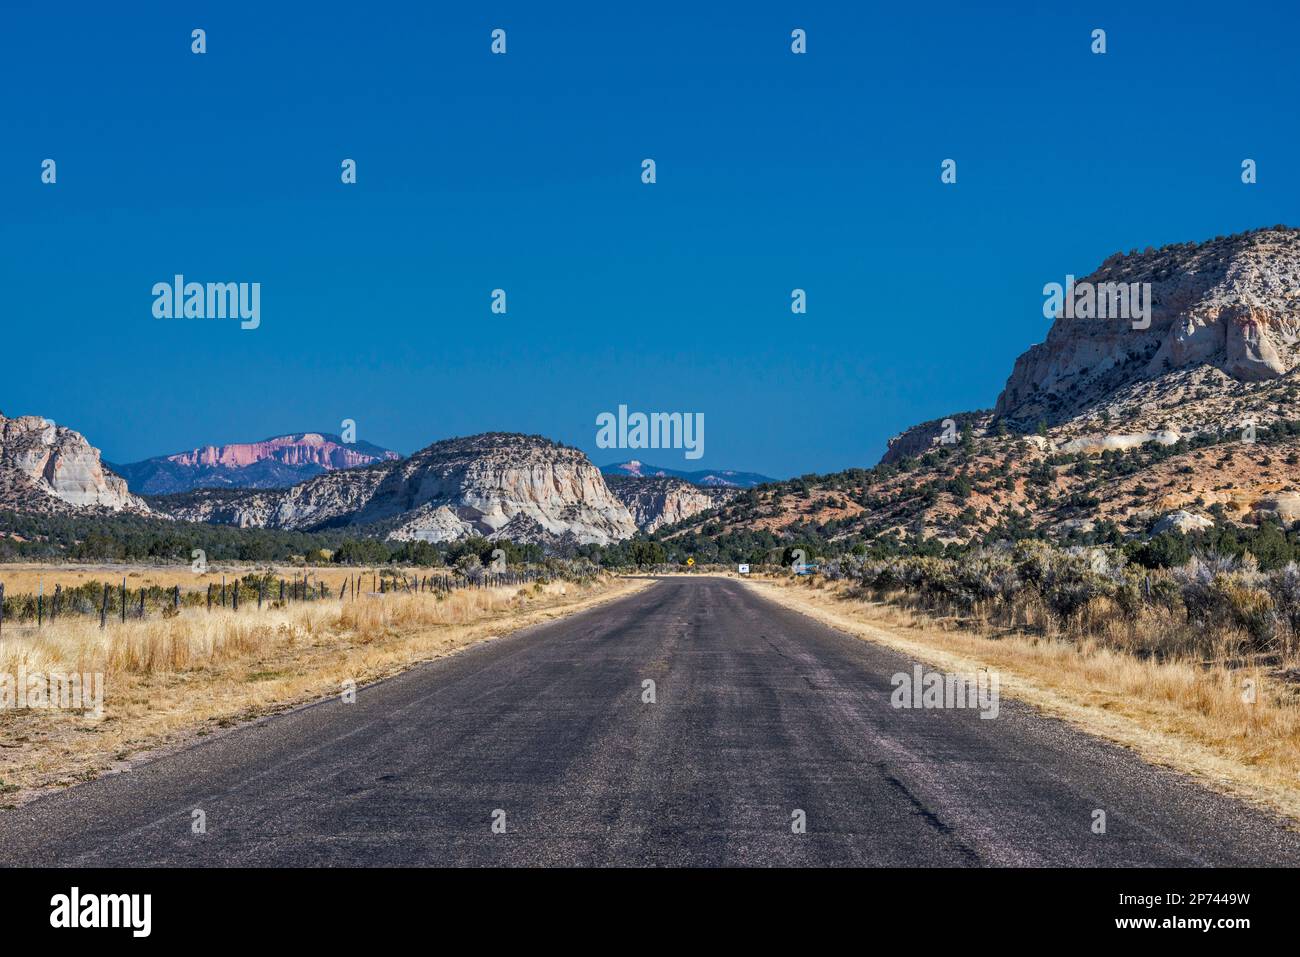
(147, 716)
(1044, 675)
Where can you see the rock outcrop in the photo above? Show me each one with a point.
(1232, 303)
(1285, 508)
(656, 502)
(44, 466)
(272, 463)
(921, 438)
(526, 488)
(1095, 444)
(1181, 520)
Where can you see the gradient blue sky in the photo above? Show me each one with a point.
(523, 172)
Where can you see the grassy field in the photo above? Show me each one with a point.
(168, 679)
(1184, 713)
(27, 578)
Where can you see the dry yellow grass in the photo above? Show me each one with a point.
(168, 679)
(1186, 715)
(27, 578)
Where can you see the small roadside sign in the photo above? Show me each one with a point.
(744, 569)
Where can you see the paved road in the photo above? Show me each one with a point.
(759, 712)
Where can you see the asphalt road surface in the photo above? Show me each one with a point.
(759, 712)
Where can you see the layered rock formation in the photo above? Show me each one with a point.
(272, 463)
(656, 502)
(526, 488)
(46, 467)
(1223, 338)
(1232, 304)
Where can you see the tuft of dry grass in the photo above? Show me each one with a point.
(1185, 713)
(167, 679)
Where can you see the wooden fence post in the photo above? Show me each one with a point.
(103, 611)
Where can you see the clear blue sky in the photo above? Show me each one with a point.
(522, 171)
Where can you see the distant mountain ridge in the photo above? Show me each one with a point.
(1107, 431)
(522, 487)
(707, 478)
(277, 462)
(526, 488)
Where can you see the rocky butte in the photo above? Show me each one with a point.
(49, 468)
(525, 488)
(1222, 341)
(1231, 305)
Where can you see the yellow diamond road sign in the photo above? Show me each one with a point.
(690, 561)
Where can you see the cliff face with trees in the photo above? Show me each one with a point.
(1105, 432)
(50, 468)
